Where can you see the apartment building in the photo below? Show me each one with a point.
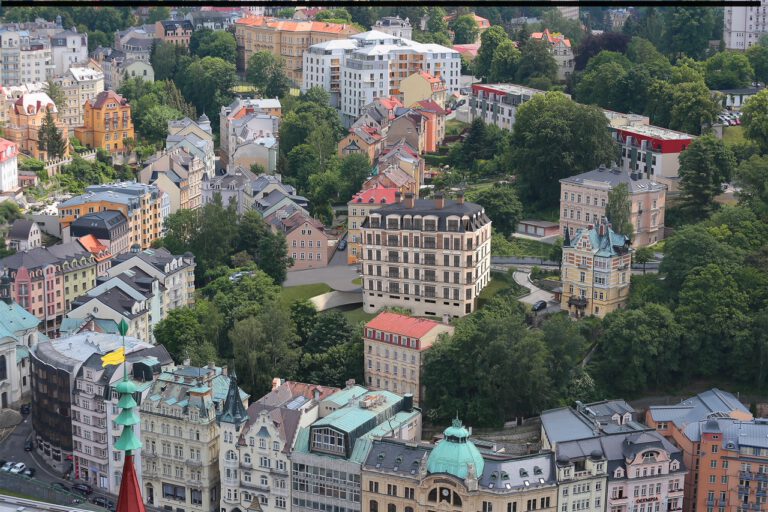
(214, 20)
(99, 251)
(358, 209)
(309, 243)
(137, 41)
(140, 203)
(24, 235)
(69, 48)
(178, 173)
(595, 271)
(248, 132)
(9, 167)
(177, 32)
(406, 158)
(234, 185)
(107, 122)
(257, 445)
(559, 47)
(429, 256)
(653, 151)
(498, 103)
(176, 273)
(722, 447)
(109, 227)
(423, 86)
(287, 39)
(80, 85)
(19, 334)
(54, 367)
(583, 199)
(133, 62)
(328, 57)
(9, 94)
(395, 26)
(180, 435)
(394, 345)
(195, 137)
(328, 455)
(25, 117)
(458, 474)
(95, 408)
(376, 67)
(744, 26)
(26, 56)
(78, 269)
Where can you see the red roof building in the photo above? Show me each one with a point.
(358, 209)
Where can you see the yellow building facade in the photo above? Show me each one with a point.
(107, 123)
(596, 271)
(423, 86)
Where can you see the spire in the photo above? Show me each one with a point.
(129, 499)
(233, 410)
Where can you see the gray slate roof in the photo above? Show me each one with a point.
(20, 229)
(713, 403)
(613, 177)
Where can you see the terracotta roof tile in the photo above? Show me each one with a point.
(401, 324)
(375, 195)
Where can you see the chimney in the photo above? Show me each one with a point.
(316, 394)
(601, 230)
(410, 202)
(408, 402)
(276, 382)
(439, 200)
(398, 197)
(460, 198)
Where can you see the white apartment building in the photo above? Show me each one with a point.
(247, 119)
(322, 67)
(24, 58)
(498, 103)
(68, 48)
(256, 445)
(94, 409)
(79, 84)
(375, 67)
(181, 437)
(395, 26)
(432, 257)
(743, 26)
(9, 169)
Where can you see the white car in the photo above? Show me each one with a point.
(7, 466)
(18, 467)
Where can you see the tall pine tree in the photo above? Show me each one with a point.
(51, 139)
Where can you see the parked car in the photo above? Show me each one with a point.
(24, 409)
(59, 486)
(83, 489)
(7, 466)
(540, 305)
(18, 468)
(29, 446)
(342, 245)
(30, 472)
(104, 502)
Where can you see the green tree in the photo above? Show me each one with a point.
(755, 119)
(705, 165)
(642, 256)
(267, 73)
(436, 23)
(286, 13)
(751, 177)
(504, 63)
(51, 139)
(594, 44)
(206, 83)
(489, 41)
(159, 13)
(603, 85)
(535, 62)
(642, 52)
(503, 207)
(152, 123)
(209, 43)
(685, 107)
(464, 29)
(728, 70)
(566, 347)
(618, 210)
(758, 58)
(336, 15)
(687, 30)
(553, 138)
(165, 60)
(355, 169)
(56, 93)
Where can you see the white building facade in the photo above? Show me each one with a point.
(743, 26)
(68, 48)
(9, 169)
(80, 84)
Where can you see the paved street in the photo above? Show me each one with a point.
(338, 275)
(537, 294)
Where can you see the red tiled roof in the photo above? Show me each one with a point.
(479, 20)
(431, 106)
(390, 103)
(470, 49)
(296, 26)
(375, 196)
(103, 96)
(551, 37)
(8, 149)
(429, 78)
(401, 324)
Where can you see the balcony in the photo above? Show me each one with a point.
(195, 463)
(579, 302)
(280, 472)
(748, 475)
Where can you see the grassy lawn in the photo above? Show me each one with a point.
(520, 247)
(357, 280)
(454, 127)
(733, 134)
(307, 291)
(501, 284)
(357, 315)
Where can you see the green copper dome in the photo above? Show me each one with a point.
(453, 454)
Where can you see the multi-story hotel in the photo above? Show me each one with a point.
(498, 103)
(257, 444)
(287, 39)
(595, 271)
(653, 151)
(25, 117)
(80, 85)
(363, 203)
(583, 199)
(107, 122)
(724, 447)
(180, 456)
(457, 474)
(744, 26)
(328, 455)
(430, 256)
(394, 345)
(26, 57)
(141, 204)
(374, 68)
(94, 410)
(178, 173)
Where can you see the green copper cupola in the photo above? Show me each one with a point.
(455, 453)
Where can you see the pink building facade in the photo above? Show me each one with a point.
(309, 245)
(40, 290)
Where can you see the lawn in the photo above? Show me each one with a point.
(357, 280)
(501, 284)
(519, 247)
(307, 291)
(357, 315)
(733, 134)
(454, 127)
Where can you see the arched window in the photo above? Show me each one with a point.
(231, 455)
(391, 507)
(408, 509)
(432, 496)
(3, 368)
(373, 506)
(264, 481)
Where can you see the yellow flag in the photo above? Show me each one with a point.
(116, 357)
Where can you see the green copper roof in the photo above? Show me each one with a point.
(455, 453)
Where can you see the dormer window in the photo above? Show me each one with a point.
(619, 473)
